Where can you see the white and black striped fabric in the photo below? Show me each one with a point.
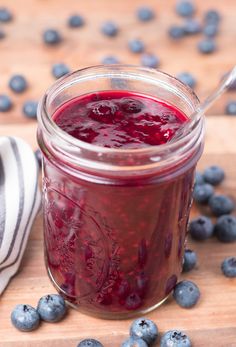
(20, 200)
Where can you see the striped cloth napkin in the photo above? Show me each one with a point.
(20, 200)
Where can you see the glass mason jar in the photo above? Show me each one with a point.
(115, 220)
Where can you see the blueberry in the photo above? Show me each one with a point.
(201, 228)
(90, 343)
(59, 70)
(176, 32)
(190, 260)
(76, 21)
(175, 338)
(187, 78)
(109, 29)
(185, 8)
(202, 193)
(150, 60)
(186, 294)
(214, 175)
(2, 34)
(133, 301)
(52, 37)
(145, 329)
(210, 30)
(231, 108)
(5, 15)
(30, 109)
(132, 106)
(228, 267)
(51, 308)
(38, 156)
(212, 16)
(145, 14)
(225, 228)
(134, 342)
(192, 27)
(136, 46)
(18, 83)
(207, 46)
(25, 318)
(110, 59)
(198, 178)
(220, 205)
(5, 103)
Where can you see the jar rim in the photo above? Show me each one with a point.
(113, 70)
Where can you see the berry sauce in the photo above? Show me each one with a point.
(114, 248)
(117, 119)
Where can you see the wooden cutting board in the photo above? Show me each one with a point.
(212, 323)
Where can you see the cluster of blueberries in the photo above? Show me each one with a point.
(184, 8)
(145, 333)
(52, 308)
(18, 84)
(191, 26)
(220, 206)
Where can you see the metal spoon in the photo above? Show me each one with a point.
(206, 104)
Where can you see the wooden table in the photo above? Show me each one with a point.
(212, 323)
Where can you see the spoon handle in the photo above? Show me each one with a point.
(200, 111)
(224, 85)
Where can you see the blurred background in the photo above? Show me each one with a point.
(166, 34)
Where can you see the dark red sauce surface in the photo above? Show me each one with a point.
(117, 119)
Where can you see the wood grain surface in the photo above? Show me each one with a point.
(212, 323)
